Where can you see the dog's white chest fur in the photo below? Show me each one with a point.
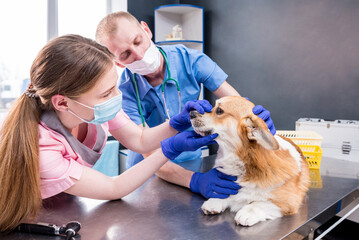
(229, 163)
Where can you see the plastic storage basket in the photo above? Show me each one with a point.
(309, 142)
(303, 137)
(313, 155)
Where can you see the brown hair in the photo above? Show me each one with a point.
(69, 65)
(108, 25)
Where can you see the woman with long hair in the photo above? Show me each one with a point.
(56, 130)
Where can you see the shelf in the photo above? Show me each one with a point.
(198, 45)
(189, 17)
(180, 41)
(176, 8)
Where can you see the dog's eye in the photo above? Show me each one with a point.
(219, 111)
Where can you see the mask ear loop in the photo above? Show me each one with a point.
(68, 110)
(83, 104)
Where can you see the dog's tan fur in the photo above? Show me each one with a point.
(272, 171)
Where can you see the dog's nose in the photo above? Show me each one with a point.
(193, 114)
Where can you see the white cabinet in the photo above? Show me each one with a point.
(188, 18)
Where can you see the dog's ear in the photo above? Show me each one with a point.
(255, 129)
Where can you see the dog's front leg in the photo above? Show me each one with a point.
(256, 212)
(215, 205)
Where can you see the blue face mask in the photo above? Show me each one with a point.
(103, 112)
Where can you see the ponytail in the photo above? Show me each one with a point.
(69, 65)
(20, 196)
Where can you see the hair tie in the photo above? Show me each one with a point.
(31, 91)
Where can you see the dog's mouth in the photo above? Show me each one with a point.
(200, 128)
(203, 132)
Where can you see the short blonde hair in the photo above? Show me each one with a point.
(108, 25)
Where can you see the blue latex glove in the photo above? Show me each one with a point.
(214, 184)
(185, 141)
(181, 121)
(265, 115)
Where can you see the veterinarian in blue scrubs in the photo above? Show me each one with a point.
(149, 102)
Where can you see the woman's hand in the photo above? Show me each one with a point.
(185, 141)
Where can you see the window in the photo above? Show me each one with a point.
(80, 16)
(25, 27)
(23, 33)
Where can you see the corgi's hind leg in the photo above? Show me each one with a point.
(256, 212)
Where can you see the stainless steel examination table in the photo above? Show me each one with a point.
(160, 210)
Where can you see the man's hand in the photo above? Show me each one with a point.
(264, 114)
(214, 184)
(181, 121)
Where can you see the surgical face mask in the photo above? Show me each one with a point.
(150, 62)
(103, 112)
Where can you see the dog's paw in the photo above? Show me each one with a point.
(214, 206)
(246, 218)
(257, 212)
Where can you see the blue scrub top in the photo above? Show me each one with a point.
(190, 68)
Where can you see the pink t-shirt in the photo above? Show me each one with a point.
(59, 162)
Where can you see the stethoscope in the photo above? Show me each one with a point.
(162, 87)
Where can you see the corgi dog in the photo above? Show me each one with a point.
(271, 170)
